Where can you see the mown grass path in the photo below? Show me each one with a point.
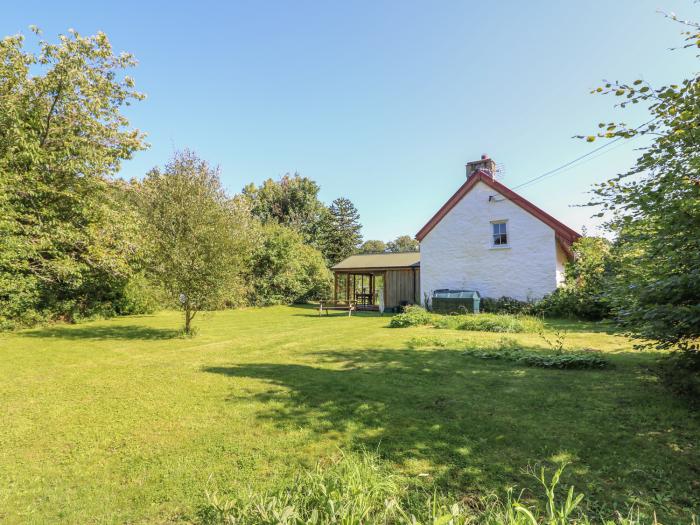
(122, 421)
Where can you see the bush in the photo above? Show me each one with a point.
(286, 270)
(417, 316)
(411, 316)
(489, 323)
(359, 489)
(509, 349)
(573, 303)
(681, 373)
(505, 305)
(139, 296)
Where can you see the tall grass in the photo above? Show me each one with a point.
(358, 489)
(504, 323)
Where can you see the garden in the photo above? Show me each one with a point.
(126, 420)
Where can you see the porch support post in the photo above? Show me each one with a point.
(335, 286)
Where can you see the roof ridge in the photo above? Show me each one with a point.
(569, 235)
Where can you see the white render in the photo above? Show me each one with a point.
(458, 252)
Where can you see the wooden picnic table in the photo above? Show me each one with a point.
(348, 306)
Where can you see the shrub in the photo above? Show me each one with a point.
(574, 303)
(139, 296)
(509, 350)
(489, 323)
(681, 373)
(505, 305)
(285, 269)
(359, 489)
(417, 316)
(411, 316)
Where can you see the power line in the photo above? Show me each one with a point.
(577, 159)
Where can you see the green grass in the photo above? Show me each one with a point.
(122, 421)
(505, 323)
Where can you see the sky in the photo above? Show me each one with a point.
(383, 102)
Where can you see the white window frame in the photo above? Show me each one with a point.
(506, 233)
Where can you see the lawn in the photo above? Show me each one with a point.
(123, 421)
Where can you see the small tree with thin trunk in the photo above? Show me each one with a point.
(192, 233)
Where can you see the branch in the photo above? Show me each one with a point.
(56, 98)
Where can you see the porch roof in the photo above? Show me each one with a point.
(379, 261)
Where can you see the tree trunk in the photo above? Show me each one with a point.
(188, 319)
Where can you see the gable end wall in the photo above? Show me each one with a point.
(457, 253)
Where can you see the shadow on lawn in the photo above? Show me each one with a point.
(479, 424)
(103, 332)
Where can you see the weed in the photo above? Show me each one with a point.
(358, 489)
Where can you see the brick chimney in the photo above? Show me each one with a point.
(486, 164)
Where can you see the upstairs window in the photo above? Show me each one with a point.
(500, 233)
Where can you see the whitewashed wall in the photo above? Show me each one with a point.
(458, 251)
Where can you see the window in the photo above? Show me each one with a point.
(500, 235)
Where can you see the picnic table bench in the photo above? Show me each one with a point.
(346, 306)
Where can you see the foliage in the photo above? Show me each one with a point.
(341, 230)
(503, 323)
(505, 305)
(584, 294)
(265, 392)
(197, 246)
(63, 252)
(411, 316)
(681, 373)
(509, 350)
(140, 295)
(285, 270)
(403, 243)
(423, 342)
(654, 210)
(418, 316)
(373, 246)
(360, 489)
(291, 201)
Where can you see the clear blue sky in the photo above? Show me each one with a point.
(382, 102)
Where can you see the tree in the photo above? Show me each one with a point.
(197, 245)
(583, 295)
(286, 270)
(291, 201)
(373, 246)
(341, 230)
(403, 243)
(654, 210)
(62, 135)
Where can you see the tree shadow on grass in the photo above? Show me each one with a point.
(476, 424)
(126, 332)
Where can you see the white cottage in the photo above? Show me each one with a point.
(488, 238)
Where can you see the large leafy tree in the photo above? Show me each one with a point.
(403, 243)
(291, 201)
(654, 210)
(198, 241)
(62, 134)
(284, 269)
(342, 231)
(373, 246)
